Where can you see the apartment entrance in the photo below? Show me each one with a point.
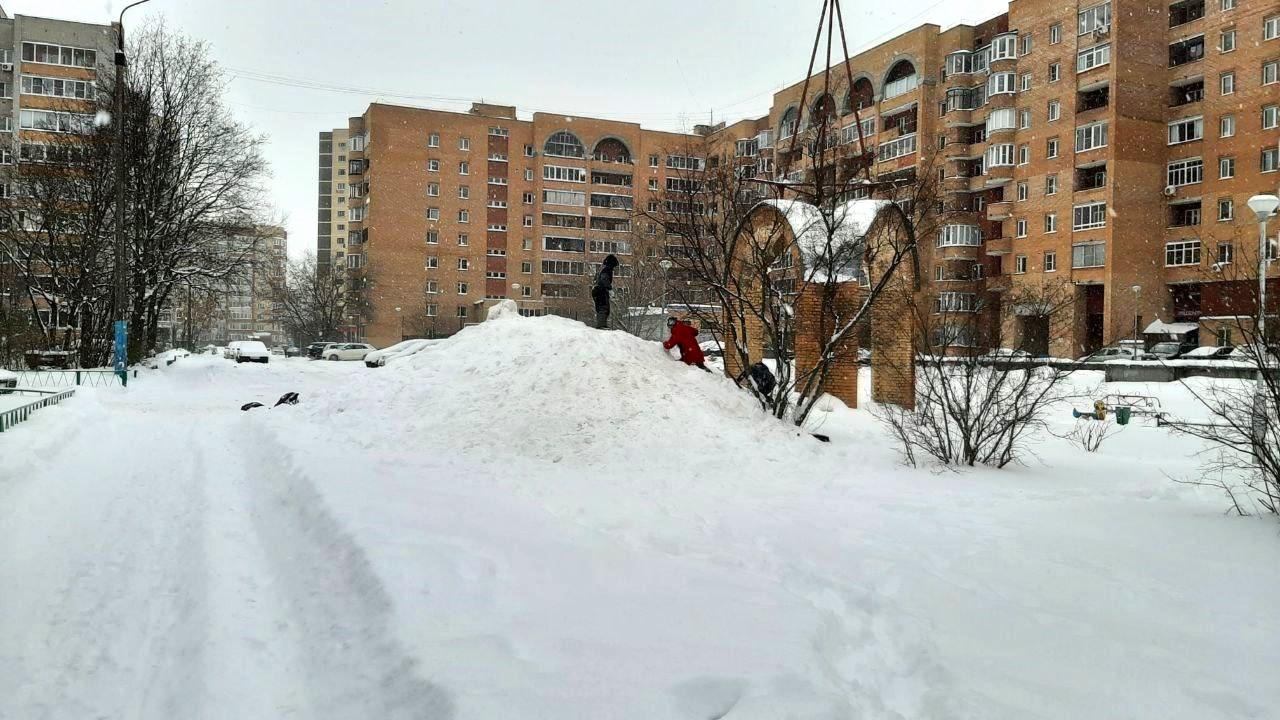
(1034, 333)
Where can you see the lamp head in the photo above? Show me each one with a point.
(1264, 206)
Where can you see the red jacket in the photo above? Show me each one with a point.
(685, 337)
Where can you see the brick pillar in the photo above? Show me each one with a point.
(842, 375)
(753, 341)
(893, 347)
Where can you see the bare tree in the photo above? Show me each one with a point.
(972, 406)
(311, 301)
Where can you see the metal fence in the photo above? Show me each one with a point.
(69, 378)
(13, 416)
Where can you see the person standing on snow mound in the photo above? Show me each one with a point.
(684, 336)
(601, 290)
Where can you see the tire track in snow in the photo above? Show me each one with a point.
(355, 667)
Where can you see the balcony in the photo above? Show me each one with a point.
(1002, 100)
(1087, 100)
(958, 118)
(1181, 13)
(1183, 215)
(999, 210)
(956, 252)
(956, 183)
(998, 175)
(1091, 178)
(999, 284)
(999, 246)
(901, 86)
(1185, 94)
(1186, 51)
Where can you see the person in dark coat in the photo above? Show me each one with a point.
(601, 290)
(685, 337)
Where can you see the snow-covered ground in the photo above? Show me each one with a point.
(537, 520)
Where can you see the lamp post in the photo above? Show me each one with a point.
(1264, 207)
(1137, 296)
(120, 359)
(400, 320)
(665, 264)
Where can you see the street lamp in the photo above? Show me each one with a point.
(400, 319)
(1264, 207)
(1137, 296)
(665, 264)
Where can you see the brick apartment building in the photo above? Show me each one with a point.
(1107, 146)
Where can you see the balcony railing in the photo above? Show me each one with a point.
(896, 148)
(901, 86)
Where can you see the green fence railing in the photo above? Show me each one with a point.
(69, 378)
(14, 415)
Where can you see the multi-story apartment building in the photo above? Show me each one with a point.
(448, 211)
(1106, 148)
(244, 307)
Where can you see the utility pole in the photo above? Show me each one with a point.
(121, 291)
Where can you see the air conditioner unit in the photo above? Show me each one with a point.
(1169, 190)
(8, 67)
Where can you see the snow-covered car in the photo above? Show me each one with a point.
(347, 351)
(8, 381)
(1209, 352)
(1249, 354)
(229, 352)
(252, 351)
(712, 348)
(1009, 354)
(292, 351)
(1167, 350)
(1110, 354)
(378, 358)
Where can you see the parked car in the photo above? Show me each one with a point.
(1209, 352)
(292, 351)
(712, 348)
(347, 351)
(252, 351)
(1167, 350)
(8, 381)
(1110, 354)
(378, 358)
(229, 352)
(315, 349)
(1008, 354)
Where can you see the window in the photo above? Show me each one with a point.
(653, 184)
(495, 275)
(1000, 154)
(1054, 111)
(433, 189)
(1091, 137)
(464, 240)
(528, 174)
(497, 181)
(564, 144)
(495, 252)
(497, 227)
(685, 162)
(1182, 252)
(562, 267)
(564, 244)
(55, 122)
(1001, 83)
(433, 287)
(1051, 147)
(1227, 5)
(1185, 172)
(1092, 57)
(1087, 255)
(433, 237)
(464, 192)
(1270, 71)
(464, 264)
(528, 221)
(1271, 27)
(564, 174)
(1094, 18)
(464, 216)
(58, 87)
(1050, 184)
(1089, 216)
(1186, 130)
(1055, 72)
(58, 55)
(1025, 44)
(1003, 47)
(433, 166)
(1024, 119)
(527, 198)
(464, 143)
(1270, 117)
(1055, 33)
(526, 244)
(1270, 160)
(433, 140)
(1022, 191)
(1001, 119)
(959, 235)
(1227, 41)
(1019, 264)
(1227, 83)
(464, 168)
(1026, 82)
(1226, 209)
(653, 161)
(1050, 261)
(1226, 252)
(564, 197)
(433, 262)
(1051, 222)
(1226, 168)
(462, 309)
(433, 213)
(1021, 228)
(1227, 126)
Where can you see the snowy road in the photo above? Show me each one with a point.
(499, 533)
(149, 571)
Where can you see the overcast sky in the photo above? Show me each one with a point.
(666, 64)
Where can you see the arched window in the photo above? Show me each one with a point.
(612, 150)
(824, 110)
(901, 79)
(788, 127)
(564, 144)
(864, 94)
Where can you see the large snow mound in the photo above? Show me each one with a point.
(549, 387)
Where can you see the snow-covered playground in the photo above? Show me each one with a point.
(534, 519)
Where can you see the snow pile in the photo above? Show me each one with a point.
(549, 388)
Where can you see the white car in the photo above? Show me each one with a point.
(251, 351)
(347, 351)
(378, 358)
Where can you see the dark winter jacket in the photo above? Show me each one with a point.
(684, 336)
(603, 285)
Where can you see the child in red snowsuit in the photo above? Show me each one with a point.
(684, 336)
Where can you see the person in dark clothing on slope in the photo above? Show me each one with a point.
(684, 336)
(601, 290)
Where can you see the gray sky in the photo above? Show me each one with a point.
(666, 64)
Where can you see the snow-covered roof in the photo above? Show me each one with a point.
(1164, 328)
(847, 225)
